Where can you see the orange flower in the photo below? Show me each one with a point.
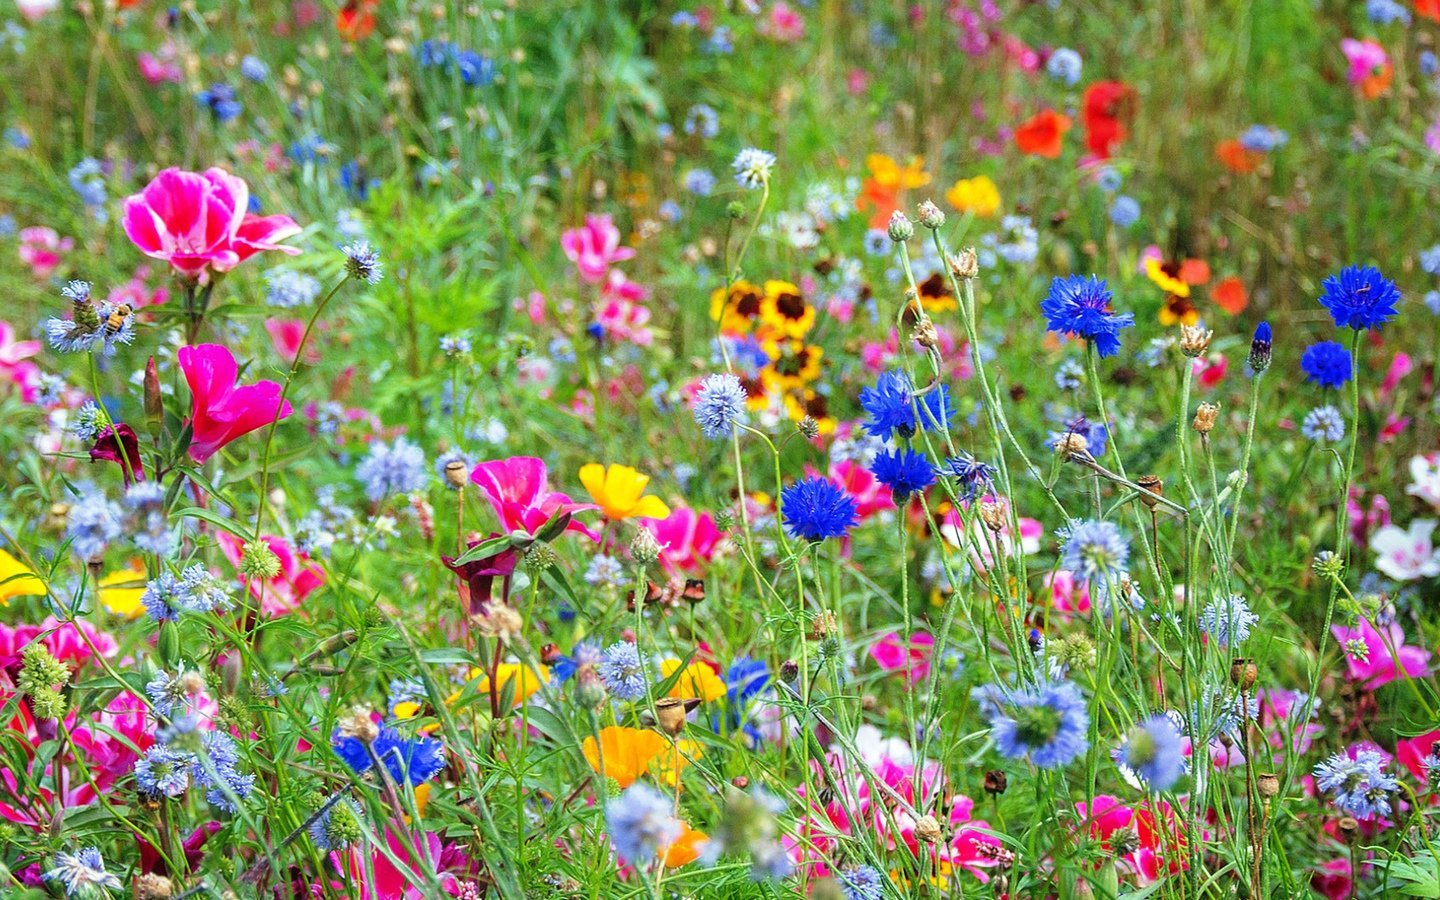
(1040, 136)
(1229, 294)
(1236, 157)
(356, 19)
(623, 754)
(1194, 271)
(1377, 84)
(685, 848)
(881, 191)
(696, 680)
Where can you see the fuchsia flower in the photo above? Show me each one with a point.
(1374, 657)
(221, 411)
(199, 222)
(286, 335)
(519, 492)
(861, 484)
(390, 882)
(619, 311)
(890, 654)
(1106, 816)
(1210, 370)
(1364, 521)
(15, 365)
(42, 249)
(158, 69)
(1069, 596)
(284, 593)
(687, 539)
(595, 247)
(1366, 57)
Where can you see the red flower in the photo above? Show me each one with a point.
(1041, 134)
(1107, 105)
(356, 19)
(107, 448)
(222, 411)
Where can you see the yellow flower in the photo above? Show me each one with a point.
(528, 680)
(120, 591)
(741, 311)
(17, 580)
(887, 173)
(422, 800)
(619, 491)
(623, 754)
(793, 364)
(978, 196)
(799, 404)
(696, 680)
(1155, 271)
(784, 310)
(1178, 310)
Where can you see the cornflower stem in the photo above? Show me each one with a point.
(1244, 474)
(1342, 536)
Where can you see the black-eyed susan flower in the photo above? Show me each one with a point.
(736, 315)
(784, 312)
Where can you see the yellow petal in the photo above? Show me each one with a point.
(651, 507)
(120, 591)
(592, 475)
(17, 580)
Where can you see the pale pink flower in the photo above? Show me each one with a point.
(15, 365)
(1364, 521)
(42, 249)
(286, 335)
(1425, 478)
(1406, 554)
(784, 24)
(35, 10)
(595, 247)
(222, 411)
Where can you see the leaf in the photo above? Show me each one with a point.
(219, 521)
(482, 550)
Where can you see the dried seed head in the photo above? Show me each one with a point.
(964, 264)
(499, 621)
(925, 333)
(149, 886)
(809, 428)
(1154, 487)
(455, 474)
(1268, 784)
(1243, 672)
(670, 714)
(992, 513)
(1194, 340)
(644, 548)
(1205, 418)
(1072, 446)
(360, 726)
(927, 829)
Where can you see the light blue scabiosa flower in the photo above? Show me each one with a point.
(1064, 65)
(1323, 424)
(1430, 260)
(1228, 620)
(702, 119)
(752, 167)
(621, 671)
(877, 242)
(1070, 375)
(605, 572)
(1109, 179)
(159, 597)
(699, 182)
(720, 405)
(1095, 551)
(1047, 722)
(387, 469)
(163, 771)
(201, 591)
(1125, 211)
(1081, 306)
(95, 522)
(1263, 138)
(363, 261)
(145, 501)
(287, 288)
(81, 874)
(216, 768)
(253, 68)
(862, 883)
(640, 824)
(1153, 751)
(87, 422)
(1387, 12)
(1359, 785)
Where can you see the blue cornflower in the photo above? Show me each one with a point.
(752, 167)
(95, 522)
(1263, 138)
(1064, 65)
(408, 760)
(1125, 211)
(475, 69)
(163, 771)
(1047, 722)
(1429, 63)
(1095, 551)
(253, 68)
(720, 405)
(82, 873)
(455, 344)
(1360, 297)
(1228, 620)
(1430, 260)
(974, 477)
(904, 472)
(146, 501)
(287, 288)
(1081, 306)
(1359, 785)
(892, 406)
(1153, 750)
(862, 883)
(746, 678)
(363, 261)
(640, 824)
(397, 468)
(1323, 424)
(1326, 363)
(816, 509)
(220, 99)
(621, 671)
(563, 667)
(670, 211)
(699, 182)
(1261, 347)
(719, 43)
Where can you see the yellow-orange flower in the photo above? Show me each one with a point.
(880, 193)
(619, 491)
(625, 754)
(17, 580)
(1178, 310)
(1171, 284)
(527, 680)
(799, 404)
(978, 196)
(120, 591)
(740, 312)
(784, 312)
(696, 680)
(793, 364)
(685, 848)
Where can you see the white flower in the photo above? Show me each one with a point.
(1406, 555)
(1425, 478)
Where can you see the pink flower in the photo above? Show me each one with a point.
(42, 249)
(1406, 554)
(1400, 366)
(15, 365)
(1366, 57)
(687, 539)
(158, 69)
(857, 81)
(298, 577)
(620, 313)
(891, 655)
(221, 411)
(595, 247)
(1394, 426)
(1369, 658)
(1106, 815)
(784, 24)
(390, 882)
(860, 483)
(1069, 596)
(519, 492)
(286, 335)
(1363, 521)
(1333, 879)
(1211, 370)
(199, 222)
(1411, 751)
(137, 293)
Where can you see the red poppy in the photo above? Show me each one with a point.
(1238, 158)
(1107, 107)
(1040, 136)
(1429, 9)
(1229, 295)
(356, 19)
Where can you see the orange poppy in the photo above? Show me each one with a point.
(1041, 134)
(685, 848)
(1238, 158)
(1107, 106)
(623, 754)
(1378, 83)
(356, 19)
(881, 192)
(1429, 9)
(1195, 271)
(1229, 295)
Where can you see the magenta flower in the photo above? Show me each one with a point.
(15, 365)
(42, 249)
(1366, 57)
(199, 222)
(221, 411)
(108, 446)
(595, 247)
(1374, 657)
(519, 491)
(891, 654)
(687, 539)
(298, 577)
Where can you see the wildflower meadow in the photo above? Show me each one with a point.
(840, 449)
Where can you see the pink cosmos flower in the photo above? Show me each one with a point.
(519, 492)
(1366, 57)
(1406, 554)
(199, 222)
(687, 539)
(298, 577)
(1364, 521)
(1211, 370)
(137, 293)
(15, 365)
(891, 655)
(1374, 657)
(864, 488)
(1425, 478)
(595, 247)
(158, 69)
(784, 24)
(222, 411)
(42, 249)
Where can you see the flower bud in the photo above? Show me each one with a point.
(644, 548)
(259, 561)
(1260, 348)
(154, 404)
(927, 829)
(930, 215)
(900, 230)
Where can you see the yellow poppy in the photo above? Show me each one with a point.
(742, 309)
(17, 580)
(888, 173)
(1155, 271)
(528, 682)
(623, 754)
(619, 491)
(696, 680)
(784, 311)
(120, 591)
(978, 196)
